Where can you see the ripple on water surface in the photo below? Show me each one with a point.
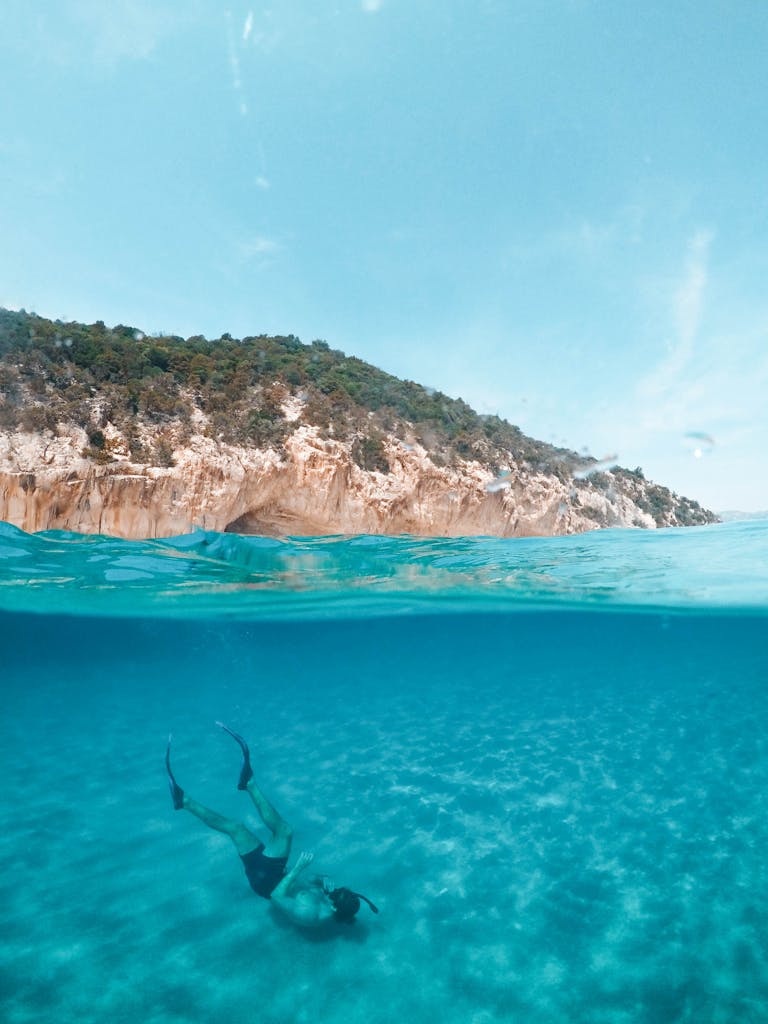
(228, 576)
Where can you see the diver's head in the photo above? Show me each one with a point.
(347, 903)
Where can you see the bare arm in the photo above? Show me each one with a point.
(284, 889)
(302, 906)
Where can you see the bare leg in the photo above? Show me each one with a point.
(244, 840)
(282, 833)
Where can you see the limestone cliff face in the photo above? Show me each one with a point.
(313, 487)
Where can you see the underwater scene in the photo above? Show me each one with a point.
(544, 761)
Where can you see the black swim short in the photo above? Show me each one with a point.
(264, 873)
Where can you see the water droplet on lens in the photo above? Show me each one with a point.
(585, 471)
(698, 443)
(501, 483)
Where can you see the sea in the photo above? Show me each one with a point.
(544, 760)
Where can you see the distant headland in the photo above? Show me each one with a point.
(108, 430)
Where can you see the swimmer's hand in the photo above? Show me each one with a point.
(285, 889)
(303, 861)
(323, 882)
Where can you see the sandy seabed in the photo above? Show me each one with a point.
(561, 817)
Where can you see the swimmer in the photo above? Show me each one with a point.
(307, 904)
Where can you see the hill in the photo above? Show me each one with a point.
(93, 406)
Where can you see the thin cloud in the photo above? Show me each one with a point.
(371, 6)
(258, 248)
(582, 238)
(590, 238)
(248, 26)
(123, 29)
(687, 311)
(690, 295)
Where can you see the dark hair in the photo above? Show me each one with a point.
(345, 903)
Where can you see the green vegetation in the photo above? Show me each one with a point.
(51, 372)
(54, 373)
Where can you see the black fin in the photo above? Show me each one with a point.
(177, 793)
(246, 772)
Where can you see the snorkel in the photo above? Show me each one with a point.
(371, 904)
(346, 903)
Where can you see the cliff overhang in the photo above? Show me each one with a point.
(312, 486)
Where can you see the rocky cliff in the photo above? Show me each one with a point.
(106, 430)
(313, 486)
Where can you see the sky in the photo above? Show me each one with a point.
(556, 210)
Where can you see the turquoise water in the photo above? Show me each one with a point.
(545, 760)
(225, 576)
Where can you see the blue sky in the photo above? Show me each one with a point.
(556, 209)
